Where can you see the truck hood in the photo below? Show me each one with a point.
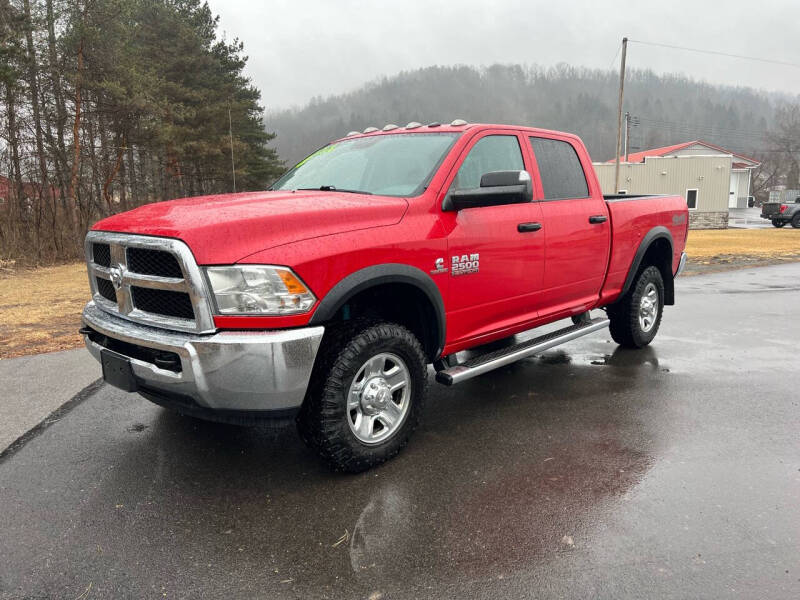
(226, 228)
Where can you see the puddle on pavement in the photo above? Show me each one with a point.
(494, 522)
(492, 480)
(558, 357)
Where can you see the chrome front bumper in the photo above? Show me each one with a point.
(224, 371)
(682, 264)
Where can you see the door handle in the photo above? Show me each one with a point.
(526, 227)
(595, 219)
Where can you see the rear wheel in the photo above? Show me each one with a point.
(796, 221)
(635, 318)
(366, 395)
(777, 223)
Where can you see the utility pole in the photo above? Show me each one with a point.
(230, 133)
(619, 112)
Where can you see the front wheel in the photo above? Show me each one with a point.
(778, 224)
(366, 395)
(635, 319)
(796, 221)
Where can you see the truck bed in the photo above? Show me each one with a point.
(614, 197)
(633, 218)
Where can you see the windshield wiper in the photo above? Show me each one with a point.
(333, 188)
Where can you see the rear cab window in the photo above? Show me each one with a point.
(560, 169)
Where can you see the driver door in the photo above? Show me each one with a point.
(495, 253)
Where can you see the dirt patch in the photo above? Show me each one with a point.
(727, 249)
(731, 263)
(727, 244)
(40, 309)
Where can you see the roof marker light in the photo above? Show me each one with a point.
(435, 124)
(413, 125)
(351, 133)
(458, 123)
(370, 129)
(390, 126)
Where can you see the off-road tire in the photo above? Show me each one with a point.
(777, 223)
(796, 221)
(624, 314)
(322, 421)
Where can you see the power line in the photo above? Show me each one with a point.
(616, 54)
(706, 130)
(754, 140)
(722, 131)
(689, 128)
(657, 120)
(704, 126)
(694, 132)
(712, 126)
(717, 53)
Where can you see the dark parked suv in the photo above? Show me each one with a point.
(781, 213)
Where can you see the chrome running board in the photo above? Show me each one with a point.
(500, 358)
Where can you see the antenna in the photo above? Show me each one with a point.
(230, 133)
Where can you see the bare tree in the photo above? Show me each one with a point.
(784, 142)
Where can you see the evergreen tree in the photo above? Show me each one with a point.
(106, 104)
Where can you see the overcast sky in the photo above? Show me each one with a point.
(304, 48)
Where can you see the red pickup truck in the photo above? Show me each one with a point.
(326, 297)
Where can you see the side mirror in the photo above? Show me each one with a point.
(497, 188)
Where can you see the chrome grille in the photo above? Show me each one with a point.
(163, 302)
(106, 289)
(149, 280)
(102, 254)
(153, 262)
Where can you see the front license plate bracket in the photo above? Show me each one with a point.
(117, 371)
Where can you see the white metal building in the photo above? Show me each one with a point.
(711, 178)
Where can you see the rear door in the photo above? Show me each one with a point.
(495, 253)
(576, 225)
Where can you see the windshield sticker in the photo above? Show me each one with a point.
(324, 150)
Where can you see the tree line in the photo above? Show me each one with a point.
(109, 104)
(666, 109)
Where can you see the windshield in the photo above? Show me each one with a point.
(389, 165)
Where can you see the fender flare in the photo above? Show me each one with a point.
(376, 275)
(654, 234)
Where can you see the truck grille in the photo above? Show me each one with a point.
(102, 254)
(151, 280)
(153, 262)
(106, 289)
(163, 302)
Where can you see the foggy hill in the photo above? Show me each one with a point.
(671, 108)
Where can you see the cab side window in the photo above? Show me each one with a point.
(559, 169)
(491, 153)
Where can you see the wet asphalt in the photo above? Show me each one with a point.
(589, 472)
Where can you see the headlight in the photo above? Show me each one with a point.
(253, 289)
